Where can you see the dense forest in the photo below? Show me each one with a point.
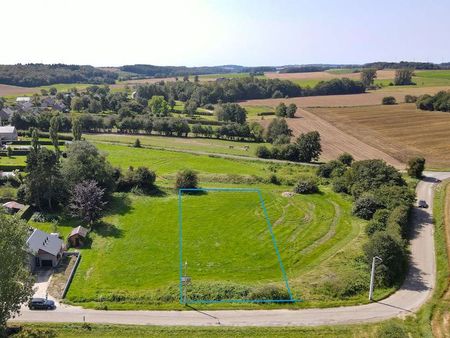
(36, 74)
(406, 64)
(232, 90)
(171, 71)
(303, 69)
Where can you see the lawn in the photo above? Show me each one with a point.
(134, 258)
(191, 144)
(169, 162)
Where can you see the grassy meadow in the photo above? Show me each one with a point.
(131, 260)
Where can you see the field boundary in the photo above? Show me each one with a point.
(272, 235)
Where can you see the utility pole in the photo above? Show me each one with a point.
(372, 276)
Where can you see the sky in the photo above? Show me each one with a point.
(219, 32)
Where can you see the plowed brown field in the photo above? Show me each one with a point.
(381, 75)
(369, 98)
(335, 141)
(7, 90)
(401, 131)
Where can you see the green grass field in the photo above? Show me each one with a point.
(132, 258)
(183, 144)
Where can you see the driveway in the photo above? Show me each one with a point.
(415, 291)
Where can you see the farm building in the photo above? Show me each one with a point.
(8, 133)
(23, 99)
(13, 207)
(77, 236)
(45, 249)
(5, 115)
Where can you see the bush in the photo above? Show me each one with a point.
(365, 206)
(137, 143)
(186, 179)
(141, 178)
(326, 170)
(392, 330)
(269, 292)
(346, 158)
(392, 251)
(340, 184)
(416, 166)
(410, 99)
(263, 152)
(388, 100)
(306, 186)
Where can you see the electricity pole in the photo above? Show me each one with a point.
(372, 276)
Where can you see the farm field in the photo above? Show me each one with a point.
(335, 141)
(178, 143)
(400, 130)
(369, 98)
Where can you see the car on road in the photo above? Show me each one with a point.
(41, 304)
(423, 204)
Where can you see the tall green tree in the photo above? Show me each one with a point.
(281, 110)
(44, 185)
(291, 110)
(158, 106)
(76, 129)
(35, 145)
(277, 128)
(309, 146)
(230, 112)
(368, 75)
(53, 131)
(416, 166)
(16, 281)
(84, 162)
(403, 77)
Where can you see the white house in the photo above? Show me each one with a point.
(23, 99)
(45, 249)
(8, 133)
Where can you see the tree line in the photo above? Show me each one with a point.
(37, 74)
(381, 196)
(440, 102)
(238, 89)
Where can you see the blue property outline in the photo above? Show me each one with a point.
(269, 226)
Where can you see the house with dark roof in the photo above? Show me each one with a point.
(45, 250)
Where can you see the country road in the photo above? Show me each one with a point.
(415, 291)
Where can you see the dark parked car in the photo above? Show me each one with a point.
(423, 204)
(41, 304)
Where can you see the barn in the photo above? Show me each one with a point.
(8, 133)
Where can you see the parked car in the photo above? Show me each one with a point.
(423, 204)
(41, 304)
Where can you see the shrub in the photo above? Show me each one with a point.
(186, 179)
(306, 186)
(388, 100)
(392, 330)
(410, 98)
(326, 169)
(391, 250)
(269, 292)
(346, 158)
(137, 143)
(365, 206)
(340, 184)
(398, 219)
(263, 152)
(141, 178)
(416, 166)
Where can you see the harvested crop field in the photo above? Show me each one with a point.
(381, 75)
(369, 98)
(335, 141)
(401, 130)
(7, 90)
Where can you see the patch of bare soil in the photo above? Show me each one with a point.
(60, 276)
(7, 90)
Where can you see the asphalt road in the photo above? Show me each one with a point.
(415, 291)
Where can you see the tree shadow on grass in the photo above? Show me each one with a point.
(120, 204)
(105, 229)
